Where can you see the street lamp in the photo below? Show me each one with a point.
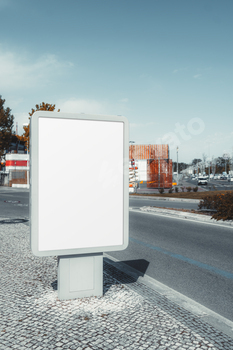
(177, 149)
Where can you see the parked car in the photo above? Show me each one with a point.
(202, 181)
(223, 177)
(230, 178)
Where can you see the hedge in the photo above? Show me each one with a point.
(221, 203)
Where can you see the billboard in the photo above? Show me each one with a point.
(87, 213)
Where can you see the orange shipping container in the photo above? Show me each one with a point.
(159, 166)
(159, 173)
(148, 152)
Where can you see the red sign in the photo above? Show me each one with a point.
(16, 163)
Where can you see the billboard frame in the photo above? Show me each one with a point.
(36, 184)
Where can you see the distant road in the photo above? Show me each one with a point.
(212, 184)
(14, 203)
(217, 184)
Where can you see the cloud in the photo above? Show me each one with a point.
(68, 106)
(124, 100)
(143, 75)
(18, 71)
(142, 125)
(179, 70)
(197, 76)
(82, 106)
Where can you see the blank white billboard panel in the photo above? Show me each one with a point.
(84, 209)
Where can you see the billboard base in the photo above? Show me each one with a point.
(80, 276)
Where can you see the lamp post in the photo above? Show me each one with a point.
(177, 149)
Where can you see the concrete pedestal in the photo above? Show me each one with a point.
(80, 276)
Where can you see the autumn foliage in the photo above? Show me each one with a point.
(221, 204)
(6, 125)
(41, 107)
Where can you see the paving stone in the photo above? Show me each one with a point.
(130, 315)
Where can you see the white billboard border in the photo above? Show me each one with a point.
(34, 169)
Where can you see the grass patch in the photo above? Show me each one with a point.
(187, 195)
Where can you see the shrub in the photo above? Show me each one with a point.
(195, 189)
(161, 190)
(176, 189)
(221, 203)
(189, 189)
(171, 190)
(182, 188)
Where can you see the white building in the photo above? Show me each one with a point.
(16, 173)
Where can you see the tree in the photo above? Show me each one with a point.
(6, 125)
(220, 165)
(181, 166)
(195, 161)
(42, 107)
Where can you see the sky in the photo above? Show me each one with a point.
(166, 65)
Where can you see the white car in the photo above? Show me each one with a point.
(202, 181)
(230, 178)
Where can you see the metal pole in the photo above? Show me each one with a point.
(177, 149)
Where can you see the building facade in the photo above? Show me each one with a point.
(16, 172)
(153, 163)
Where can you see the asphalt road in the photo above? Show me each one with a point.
(192, 258)
(213, 185)
(14, 203)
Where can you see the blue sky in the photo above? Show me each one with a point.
(166, 65)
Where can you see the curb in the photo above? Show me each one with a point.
(183, 215)
(169, 199)
(219, 322)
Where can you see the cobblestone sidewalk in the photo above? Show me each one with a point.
(130, 315)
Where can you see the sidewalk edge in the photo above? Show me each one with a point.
(176, 214)
(217, 321)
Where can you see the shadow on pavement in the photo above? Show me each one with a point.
(140, 265)
(116, 271)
